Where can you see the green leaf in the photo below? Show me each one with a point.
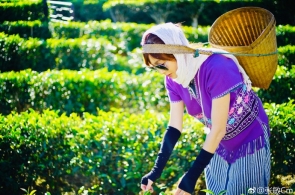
(147, 193)
(208, 191)
(222, 192)
(24, 190)
(33, 192)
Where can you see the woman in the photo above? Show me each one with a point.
(215, 90)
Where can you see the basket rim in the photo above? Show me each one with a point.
(246, 48)
(238, 10)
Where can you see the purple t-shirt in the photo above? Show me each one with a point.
(247, 119)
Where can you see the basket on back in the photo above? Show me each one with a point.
(249, 30)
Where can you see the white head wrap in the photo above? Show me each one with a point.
(188, 65)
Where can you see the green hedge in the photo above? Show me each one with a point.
(22, 10)
(281, 89)
(130, 32)
(133, 32)
(287, 56)
(89, 10)
(285, 35)
(85, 91)
(74, 54)
(26, 29)
(81, 91)
(125, 35)
(282, 123)
(110, 152)
(140, 12)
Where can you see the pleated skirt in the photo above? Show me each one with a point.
(247, 175)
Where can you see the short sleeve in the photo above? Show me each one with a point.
(223, 76)
(171, 90)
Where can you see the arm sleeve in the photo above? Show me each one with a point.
(223, 76)
(171, 91)
(170, 139)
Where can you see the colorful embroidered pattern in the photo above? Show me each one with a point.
(242, 113)
(206, 121)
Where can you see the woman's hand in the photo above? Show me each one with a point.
(147, 187)
(180, 192)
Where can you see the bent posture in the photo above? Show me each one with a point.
(216, 91)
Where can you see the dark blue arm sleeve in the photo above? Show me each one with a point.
(169, 141)
(190, 178)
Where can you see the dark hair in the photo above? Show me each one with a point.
(154, 39)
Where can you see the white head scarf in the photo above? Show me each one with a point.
(188, 65)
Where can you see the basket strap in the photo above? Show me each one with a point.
(181, 49)
(247, 54)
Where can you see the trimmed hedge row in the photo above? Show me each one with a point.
(85, 91)
(179, 10)
(281, 88)
(285, 35)
(41, 55)
(89, 10)
(129, 32)
(74, 54)
(286, 56)
(282, 125)
(26, 29)
(109, 153)
(22, 10)
(81, 91)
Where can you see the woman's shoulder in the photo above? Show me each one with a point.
(217, 59)
(220, 63)
(169, 81)
(171, 84)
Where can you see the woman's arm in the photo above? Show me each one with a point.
(170, 138)
(176, 115)
(219, 116)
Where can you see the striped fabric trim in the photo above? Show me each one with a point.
(176, 101)
(251, 171)
(229, 90)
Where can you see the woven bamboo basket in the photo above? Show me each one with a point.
(249, 30)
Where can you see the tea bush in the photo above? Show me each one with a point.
(81, 91)
(286, 56)
(85, 91)
(92, 53)
(19, 54)
(41, 55)
(129, 33)
(285, 35)
(282, 123)
(125, 35)
(110, 152)
(22, 10)
(26, 29)
(281, 89)
(89, 10)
